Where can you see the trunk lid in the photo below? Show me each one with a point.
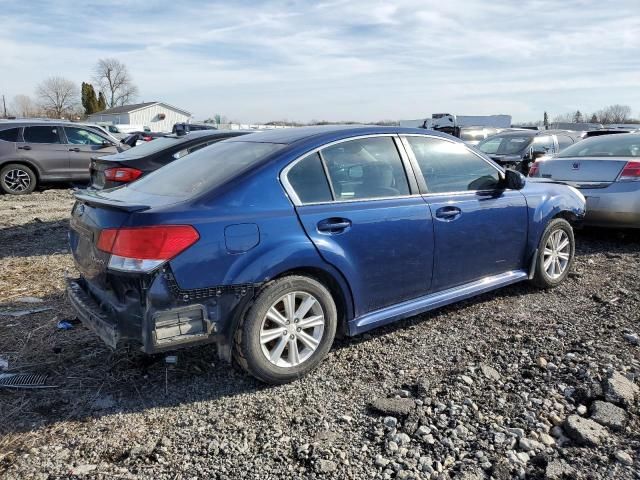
(581, 170)
(100, 164)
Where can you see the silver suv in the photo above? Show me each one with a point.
(39, 151)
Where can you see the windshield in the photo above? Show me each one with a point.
(205, 169)
(605, 146)
(505, 145)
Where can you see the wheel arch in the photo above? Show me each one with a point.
(331, 279)
(337, 286)
(25, 163)
(568, 215)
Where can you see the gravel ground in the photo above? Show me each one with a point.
(519, 383)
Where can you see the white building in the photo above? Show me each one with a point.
(158, 116)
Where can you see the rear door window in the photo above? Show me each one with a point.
(450, 167)
(308, 180)
(10, 134)
(42, 134)
(365, 168)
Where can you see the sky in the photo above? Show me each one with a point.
(360, 60)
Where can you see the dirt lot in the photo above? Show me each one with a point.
(507, 385)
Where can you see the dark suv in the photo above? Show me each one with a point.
(519, 148)
(39, 151)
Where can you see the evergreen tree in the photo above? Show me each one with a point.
(102, 102)
(546, 121)
(577, 117)
(89, 100)
(594, 118)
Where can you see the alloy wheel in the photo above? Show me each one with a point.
(556, 254)
(292, 329)
(17, 180)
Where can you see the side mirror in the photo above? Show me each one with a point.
(514, 180)
(107, 143)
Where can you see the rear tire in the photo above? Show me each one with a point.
(17, 179)
(556, 252)
(287, 332)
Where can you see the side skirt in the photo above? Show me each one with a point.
(433, 300)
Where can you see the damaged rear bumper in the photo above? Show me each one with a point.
(159, 316)
(158, 331)
(90, 314)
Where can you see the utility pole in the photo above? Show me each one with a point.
(4, 104)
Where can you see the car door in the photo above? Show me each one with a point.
(42, 145)
(83, 144)
(480, 229)
(366, 218)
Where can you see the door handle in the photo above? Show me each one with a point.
(334, 225)
(25, 147)
(448, 214)
(75, 149)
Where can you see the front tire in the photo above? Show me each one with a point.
(555, 254)
(17, 179)
(288, 331)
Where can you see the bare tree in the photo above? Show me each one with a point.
(619, 113)
(614, 114)
(564, 118)
(57, 95)
(115, 82)
(23, 106)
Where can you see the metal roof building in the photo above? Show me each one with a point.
(158, 116)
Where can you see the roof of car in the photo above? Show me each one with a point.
(535, 133)
(41, 121)
(295, 134)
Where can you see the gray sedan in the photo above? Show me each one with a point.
(606, 170)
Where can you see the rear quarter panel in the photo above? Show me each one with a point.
(279, 243)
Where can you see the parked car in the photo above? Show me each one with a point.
(115, 170)
(474, 135)
(606, 169)
(137, 138)
(121, 131)
(270, 243)
(182, 128)
(103, 131)
(518, 149)
(40, 151)
(608, 131)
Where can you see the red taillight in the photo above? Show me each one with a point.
(122, 174)
(162, 242)
(533, 169)
(631, 171)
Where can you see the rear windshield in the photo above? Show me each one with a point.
(505, 145)
(153, 146)
(605, 146)
(205, 169)
(471, 135)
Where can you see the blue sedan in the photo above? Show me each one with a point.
(271, 244)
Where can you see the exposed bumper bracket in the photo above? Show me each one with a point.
(91, 315)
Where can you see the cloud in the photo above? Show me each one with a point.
(359, 59)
